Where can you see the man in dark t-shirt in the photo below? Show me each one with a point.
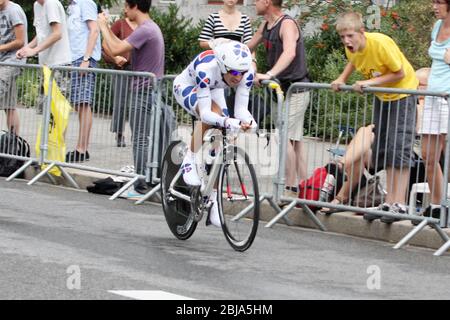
(146, 45)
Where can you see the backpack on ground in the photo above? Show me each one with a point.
(12, 144)
(310, 189)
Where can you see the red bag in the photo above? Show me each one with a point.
(310, 189)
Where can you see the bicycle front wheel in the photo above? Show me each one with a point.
(238, 200)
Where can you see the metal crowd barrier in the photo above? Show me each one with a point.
(332, 120)
(114, 97)
(20, 88)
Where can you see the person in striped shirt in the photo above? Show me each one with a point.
(228, 23)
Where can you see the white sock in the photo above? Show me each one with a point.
(213, 196)
(190, 156)
(214, 216)
(190, 177)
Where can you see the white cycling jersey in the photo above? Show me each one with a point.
(202, 82)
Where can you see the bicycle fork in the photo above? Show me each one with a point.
(241, 181)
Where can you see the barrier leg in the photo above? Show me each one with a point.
(20, 170)
(125, 187)
(443, 249)
(411, 235)
(41, 174)
(277, 208)
(51, 178)
(244, 212)
(149, 194)
(313, 217)
(282, 213)
(69, 178)
(441, 232)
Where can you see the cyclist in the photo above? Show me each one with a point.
(199, 89)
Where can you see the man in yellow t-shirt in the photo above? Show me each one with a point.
(380, 60)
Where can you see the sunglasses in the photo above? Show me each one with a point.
(236, 73)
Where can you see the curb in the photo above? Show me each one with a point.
(347, 223)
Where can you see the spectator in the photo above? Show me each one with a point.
(435, 113)
(228, 23)
(382, 63)
(146, 44)
(286, 59)
(52, 39)
(86, 52)
(122, 29)
(358, 154)
(422, 75)
(13, 36)
(51, 42)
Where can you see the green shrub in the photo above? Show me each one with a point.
(180, 38)
(410, 24)
(28, 87)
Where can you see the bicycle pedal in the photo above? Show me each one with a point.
(198, 216)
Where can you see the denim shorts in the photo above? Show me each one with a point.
(82, 85)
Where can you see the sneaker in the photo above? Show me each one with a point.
(371, 216)
(213, 216)
(430, 212)
(434, 212)
(395, 208)
(76, 156)
(189, 170)
(291, 192)
(127, 169)
(132, 194)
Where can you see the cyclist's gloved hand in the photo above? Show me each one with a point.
(233, 124)
(249, 125)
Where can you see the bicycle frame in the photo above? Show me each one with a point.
(206, 189)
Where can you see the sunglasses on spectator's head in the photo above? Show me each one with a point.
(236, 73)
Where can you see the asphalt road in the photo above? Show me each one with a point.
(58, 243)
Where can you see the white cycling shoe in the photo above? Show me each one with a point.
(213, 217)
(189, 170)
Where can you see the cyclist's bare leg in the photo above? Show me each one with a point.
(190, 174)
(196, 143)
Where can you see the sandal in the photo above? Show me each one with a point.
(336, 200)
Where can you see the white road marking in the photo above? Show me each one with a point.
(149, 295)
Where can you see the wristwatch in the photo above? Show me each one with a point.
(86, 58)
